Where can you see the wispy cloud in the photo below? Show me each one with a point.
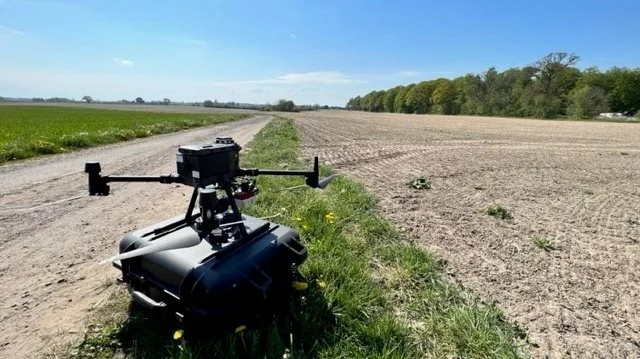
(293, 36)
(123, 62)
(317, 77)
(11, 31)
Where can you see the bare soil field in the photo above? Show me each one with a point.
(574, 183)
(53, 234)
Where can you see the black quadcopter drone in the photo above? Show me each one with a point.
(215, 262)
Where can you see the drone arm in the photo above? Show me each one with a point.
(312, 176)
(159, 179)
(98, 183)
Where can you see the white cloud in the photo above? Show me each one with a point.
(317, 77)
(123, 62)
(293, 36)
(11, 31)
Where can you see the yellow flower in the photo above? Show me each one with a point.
(331, 218)
(305, 227)
(241, 328)
(178, 334)
(298, 219)
(322, 284)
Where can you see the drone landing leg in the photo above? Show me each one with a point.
(192, 203)
(234, 208)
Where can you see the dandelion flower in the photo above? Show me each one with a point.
(330, 217)
(241, 328)
(178, 334)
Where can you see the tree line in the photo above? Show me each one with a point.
(551, 87)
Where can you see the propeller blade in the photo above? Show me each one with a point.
(165, 245)
(325, 181)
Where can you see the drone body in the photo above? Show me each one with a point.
(214, 263)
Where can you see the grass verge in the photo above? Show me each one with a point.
(371, 294)
(29, 131)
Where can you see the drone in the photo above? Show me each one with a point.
(213, 262)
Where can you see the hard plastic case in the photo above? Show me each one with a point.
(203, 282)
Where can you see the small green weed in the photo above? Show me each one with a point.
(420, 183)
(543, 243)
(499, 212)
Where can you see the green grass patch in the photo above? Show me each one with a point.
(543, 243)
(371, 294)
(28, 131)
(499, 212)
(420, 183)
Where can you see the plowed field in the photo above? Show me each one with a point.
(576, 184)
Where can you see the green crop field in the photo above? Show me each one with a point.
(28, 131)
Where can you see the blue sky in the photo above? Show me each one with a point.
(309, 51)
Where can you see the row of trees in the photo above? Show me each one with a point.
(550, 87)
(282, 105)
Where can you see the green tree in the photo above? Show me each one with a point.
(419, 98)
(443, 98)
(285, 106)
(166, 101)
(87, 99)
(355, 104)
(587, 102)
(624, 90)
(389, 98)
(549, 72)
(400, 103)
(139, 100)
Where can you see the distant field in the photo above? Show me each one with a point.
(133, 107)
(28, 131)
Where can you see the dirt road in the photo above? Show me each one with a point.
(52, 234)
(575, 183)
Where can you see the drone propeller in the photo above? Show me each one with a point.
(321, 184)
(325, 181)
(162, 244)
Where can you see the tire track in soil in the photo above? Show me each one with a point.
(577, 301)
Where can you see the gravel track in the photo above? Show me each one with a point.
(52, 234)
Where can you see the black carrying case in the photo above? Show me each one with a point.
(201, 283)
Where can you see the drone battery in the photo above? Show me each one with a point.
(203, 164)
